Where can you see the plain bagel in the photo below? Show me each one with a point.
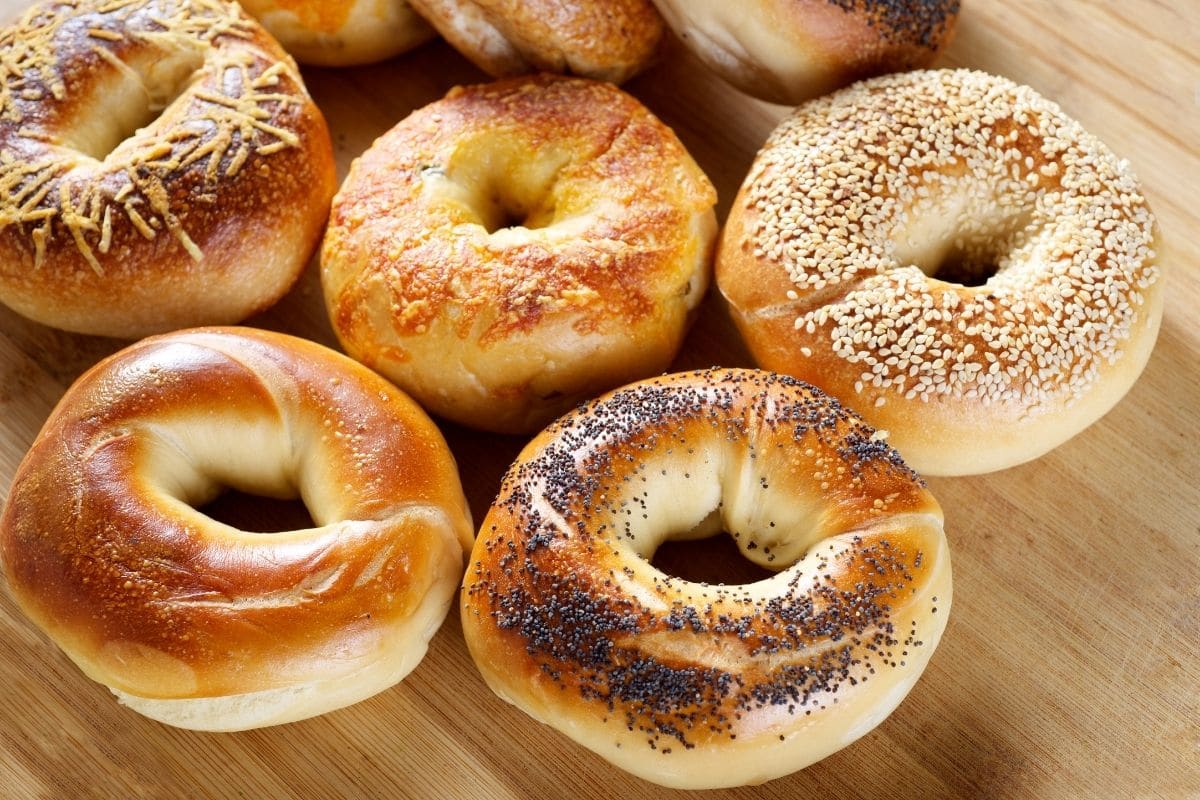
(950, 254)
(161, 165)
(693, 685)
(198, 624)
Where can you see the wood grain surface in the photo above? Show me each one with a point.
(1071, 664)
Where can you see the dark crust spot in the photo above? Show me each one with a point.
(915, 22)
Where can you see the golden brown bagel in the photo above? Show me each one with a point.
(338, 33)
(693, 685)
(845, 252)
(787, 51)
(607, 40)
(198, 624)
(206, 214)
(516, 247)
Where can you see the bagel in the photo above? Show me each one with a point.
(340, 33)
(517, 247)
(692, 685)
(114, 221)
(953, 256)
(788, 51)
(608, 40)
(189, 620)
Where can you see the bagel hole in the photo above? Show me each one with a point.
(964, 268)
(715, 560)
(257, 513)
(506, 213)
(133, 98)
(950, 250)
(506, 218)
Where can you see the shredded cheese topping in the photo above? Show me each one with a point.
(232, 109)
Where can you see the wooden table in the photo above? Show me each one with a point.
(1071, 664)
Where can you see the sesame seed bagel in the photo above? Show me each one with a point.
(119, 222)
(788, 51)
(196, 623)
(608, 40)
(696, 685)
(339, 33)
(950, 254)
(517, 247)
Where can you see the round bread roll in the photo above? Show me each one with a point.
(950, 254)
(517, 247)
(198, 624)
(340, 33)
(787, 51)
(696, 685)
(161, 165)
(608, 40)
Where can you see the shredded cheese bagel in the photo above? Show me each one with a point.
(119, 222)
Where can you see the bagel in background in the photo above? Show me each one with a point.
(342, 33)
(610, 40)
(201, 625)
(788, 51)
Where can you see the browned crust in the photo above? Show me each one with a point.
(614, 143)
(644, 674)
(206, 215)
(610, 40)
(153, 598)
(401, 266)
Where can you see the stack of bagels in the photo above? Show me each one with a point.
(937, 272)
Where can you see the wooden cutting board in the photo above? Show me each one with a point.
(1071, 664)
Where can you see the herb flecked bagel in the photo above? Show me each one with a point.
(517, 247)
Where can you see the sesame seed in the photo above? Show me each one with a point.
(1022, 189)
